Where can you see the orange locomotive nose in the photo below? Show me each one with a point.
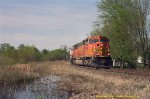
(94, 49)
(98, 49)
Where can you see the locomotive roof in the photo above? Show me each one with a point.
(93, 37)
(78, 44)
(98, 36)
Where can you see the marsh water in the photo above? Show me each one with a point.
(43, 88)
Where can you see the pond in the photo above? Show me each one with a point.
(43, 88)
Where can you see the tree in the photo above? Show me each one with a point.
(28, 53)
(124, 22)
(65, 50)
(7, 50)
(45, 51)
(8, 54)
(95, 31)
(141, 29)
(57, 54)
(25, 53)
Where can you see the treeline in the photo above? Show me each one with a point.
(127, 25)
(24, 53)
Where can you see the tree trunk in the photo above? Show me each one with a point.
(144, 62)
(149, 63)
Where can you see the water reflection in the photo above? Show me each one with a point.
(44, 88)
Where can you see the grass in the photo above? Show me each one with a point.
(22, 73)
(89, 82)
(85, 83)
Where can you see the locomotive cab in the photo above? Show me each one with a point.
(99, 46)
(93, 50)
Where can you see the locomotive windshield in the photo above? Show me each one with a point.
(104, 40)
(91, 41)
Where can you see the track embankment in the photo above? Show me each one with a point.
(136, 74)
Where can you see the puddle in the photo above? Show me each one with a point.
(44, 88)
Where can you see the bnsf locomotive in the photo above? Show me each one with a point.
(92, 51)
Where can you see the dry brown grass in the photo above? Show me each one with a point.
(94, 82)
(86, 83)
(23, 72)
(16, 74)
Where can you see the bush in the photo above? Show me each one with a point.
(58, 54)
(6, 61)
(9, 55)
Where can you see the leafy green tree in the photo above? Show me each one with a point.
(124, 22)
(96, 31)
(7, 50)
(25, 53)
(28, 53)
(8, 54)
(58, 54)
(45, 51)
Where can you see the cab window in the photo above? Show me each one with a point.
(104, 40)
(91, 41)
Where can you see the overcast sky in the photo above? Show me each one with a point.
(46, 23)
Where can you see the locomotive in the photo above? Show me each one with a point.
(92, 51)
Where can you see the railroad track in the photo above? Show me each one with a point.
(120, 71)
(129, 72)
